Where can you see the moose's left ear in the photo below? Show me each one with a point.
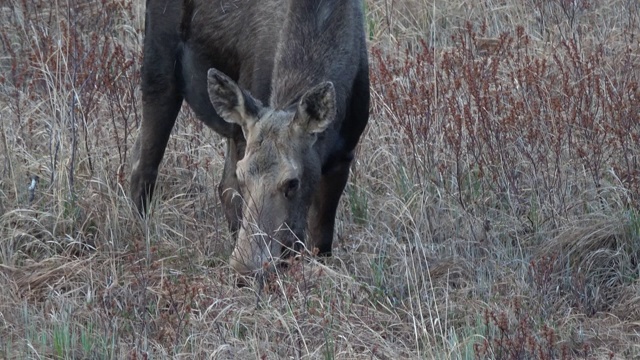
(317, 108)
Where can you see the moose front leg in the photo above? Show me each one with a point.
(158, 117)
(228, 189)
(322, 215)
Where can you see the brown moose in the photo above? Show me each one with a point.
(287, 83)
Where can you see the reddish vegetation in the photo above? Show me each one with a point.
(520, 119)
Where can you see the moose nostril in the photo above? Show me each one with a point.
(290, 187)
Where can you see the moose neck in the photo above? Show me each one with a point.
(305, 47)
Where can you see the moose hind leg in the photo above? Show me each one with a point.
(325, 204)
(159, 114)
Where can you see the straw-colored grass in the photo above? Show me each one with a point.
(492, 212)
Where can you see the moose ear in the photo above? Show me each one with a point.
(317, 108)
(230, 102)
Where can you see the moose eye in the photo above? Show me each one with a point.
(290, 187)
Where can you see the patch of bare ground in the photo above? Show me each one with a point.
(492, 213)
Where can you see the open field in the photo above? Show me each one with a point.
(493, 212)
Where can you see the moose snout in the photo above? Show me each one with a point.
(252, 253)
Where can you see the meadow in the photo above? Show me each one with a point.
(493, 211)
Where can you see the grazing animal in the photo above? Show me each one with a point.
(287, 83)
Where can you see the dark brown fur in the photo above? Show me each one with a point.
(298, 69)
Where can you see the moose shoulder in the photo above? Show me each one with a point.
(286, 82)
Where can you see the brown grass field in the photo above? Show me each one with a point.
(493, 212)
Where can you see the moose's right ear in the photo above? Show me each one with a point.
(230, 102)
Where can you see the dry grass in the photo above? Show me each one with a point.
(493, 212)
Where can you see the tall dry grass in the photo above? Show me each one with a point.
(492, 212)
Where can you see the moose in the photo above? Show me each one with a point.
(286, 82)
